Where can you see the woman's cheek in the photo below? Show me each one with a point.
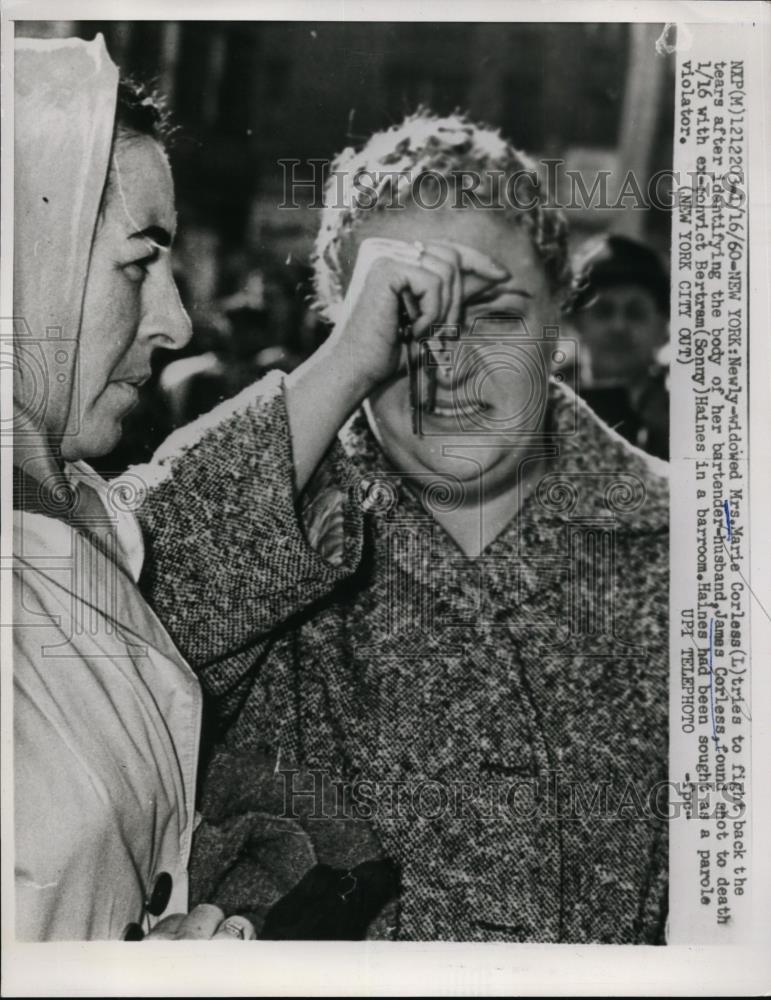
(126, 317)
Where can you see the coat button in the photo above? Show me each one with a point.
(160, 896)
(133, 932)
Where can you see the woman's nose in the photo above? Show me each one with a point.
(166, 321)
(180, 328)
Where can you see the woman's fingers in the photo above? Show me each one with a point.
(445, 265)
(235, 928)
(166, 929)
(391, 277)
(432, 258)
(473, 261)
(478, 270)
(452, 258)
(418, 287)
(426, 285)
(202, 923)
(462, 270)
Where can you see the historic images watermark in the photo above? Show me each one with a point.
(551, 184)
(317, 794)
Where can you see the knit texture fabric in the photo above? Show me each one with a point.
(497, 725)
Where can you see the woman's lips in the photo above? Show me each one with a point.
(128, 387)
(136, 379)
(452, 409)
(128, 390)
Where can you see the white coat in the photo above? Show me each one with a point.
(107, 721)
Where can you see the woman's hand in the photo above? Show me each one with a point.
(202, 923)
(429, 281)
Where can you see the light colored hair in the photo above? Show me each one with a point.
(389, 167)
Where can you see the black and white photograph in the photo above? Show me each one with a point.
(379, 454)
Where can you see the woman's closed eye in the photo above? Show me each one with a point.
(497, 305)
(137, 269)
(497, 318)
(496, 314)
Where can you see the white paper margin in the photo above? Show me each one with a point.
(411, 969)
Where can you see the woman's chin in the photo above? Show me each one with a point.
(93, 440)
(458, 460)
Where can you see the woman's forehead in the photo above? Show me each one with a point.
(489, 231)
(141, 186)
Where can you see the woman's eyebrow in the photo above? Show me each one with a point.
(156, 234)
(491, 294)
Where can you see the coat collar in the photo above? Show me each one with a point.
(85, 501)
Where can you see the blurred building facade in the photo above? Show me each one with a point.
(250, 94)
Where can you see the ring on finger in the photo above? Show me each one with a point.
(235, 928)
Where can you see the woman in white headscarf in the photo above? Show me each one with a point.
(106, 711)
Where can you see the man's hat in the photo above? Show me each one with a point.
(618, 260)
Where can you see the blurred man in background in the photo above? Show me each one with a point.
(621, 311)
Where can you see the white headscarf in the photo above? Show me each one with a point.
(64, 115)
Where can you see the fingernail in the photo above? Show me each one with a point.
(238, 927)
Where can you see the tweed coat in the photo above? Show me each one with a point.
(496, 726)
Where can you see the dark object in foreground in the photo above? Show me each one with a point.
(332, 904)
